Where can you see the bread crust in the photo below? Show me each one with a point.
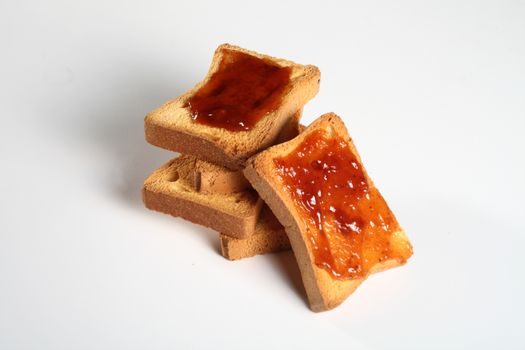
(169, 191)
(269, 237)
(211, 178)
(171, 126)
(323, 291)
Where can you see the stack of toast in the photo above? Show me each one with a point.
(247, 169)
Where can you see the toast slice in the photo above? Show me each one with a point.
(169, 190)
(172, 126)
(335, 247)
(269, 237)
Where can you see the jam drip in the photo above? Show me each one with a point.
(349, 223)
(243, 90)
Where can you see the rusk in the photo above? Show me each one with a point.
(169, 190)
(171, 126)
(323, 291)
(211, 178)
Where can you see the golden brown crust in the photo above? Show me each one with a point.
(168, 190)
(171, 127)
(240, 248)
(186, 143)
(158, 194)
(269, 237)
(323, 291)
(211, 178)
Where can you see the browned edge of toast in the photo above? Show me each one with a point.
(269, 237)
(159, 194)
(323, 291)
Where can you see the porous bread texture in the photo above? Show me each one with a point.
(269, 237)
(212, 178)
(171, 126)
(323, 291)
(169, 190)
(291, 129)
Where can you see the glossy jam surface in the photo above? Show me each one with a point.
(349, 223)
(242, 91)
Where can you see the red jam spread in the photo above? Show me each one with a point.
(349, 225)
(243, 90)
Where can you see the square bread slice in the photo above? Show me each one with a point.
(269, 237)
(172, 126)
(320, 243)
(169, 190)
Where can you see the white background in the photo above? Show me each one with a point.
(433, 94)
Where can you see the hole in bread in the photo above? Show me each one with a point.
(173, 177)
(237, 200)
(197, 181)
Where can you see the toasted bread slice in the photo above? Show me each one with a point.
(169, 190)
(324, 291)
(172, 127)
(269, 237)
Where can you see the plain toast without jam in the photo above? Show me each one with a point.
(170, 189)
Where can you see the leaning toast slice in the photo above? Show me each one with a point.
(339, 226)
(169, 190)
(269, 237)
(179, 127)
